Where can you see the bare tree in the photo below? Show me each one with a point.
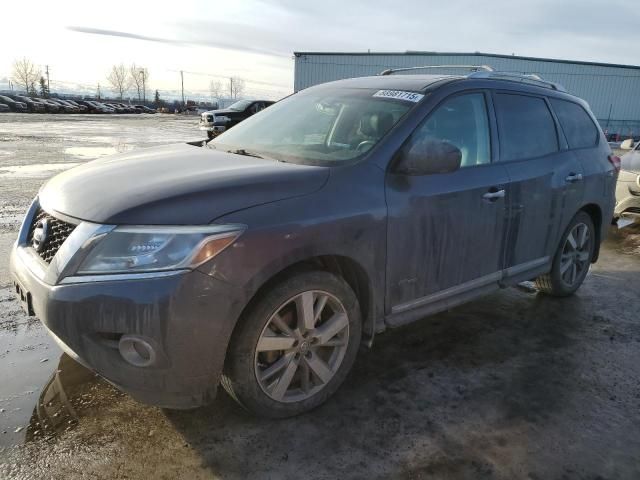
(119, 79)
(237, 87)
(215, 89)
(25, 73)
(139, 78)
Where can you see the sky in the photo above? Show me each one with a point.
(255, 39)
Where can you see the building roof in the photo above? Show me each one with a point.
(477, 54)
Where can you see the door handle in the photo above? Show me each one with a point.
(573, 177)
(493, 196)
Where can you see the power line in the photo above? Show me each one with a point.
(255, 82)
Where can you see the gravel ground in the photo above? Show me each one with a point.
(515, 385)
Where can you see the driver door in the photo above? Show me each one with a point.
(446, 231)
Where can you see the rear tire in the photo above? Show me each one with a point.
(295, 346)
(572, 259)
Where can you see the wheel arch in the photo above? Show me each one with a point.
(595, 212)
(342, 266)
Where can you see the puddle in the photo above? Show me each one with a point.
(62, 400)
(28, 358)
(38, 170)
(90, 152)
(70, 393)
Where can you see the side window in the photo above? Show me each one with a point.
(576, 124)
(525, 126)
(463, 122)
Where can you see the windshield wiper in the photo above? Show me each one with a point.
(246, 153)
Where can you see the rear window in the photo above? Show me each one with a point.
(527, 129)
(576, 124)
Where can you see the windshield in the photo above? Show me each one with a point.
(240, 105)
(320, 126)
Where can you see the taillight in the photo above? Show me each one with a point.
(615, 161)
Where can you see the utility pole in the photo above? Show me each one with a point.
(98, 91)
(144, 90)
(182, 82)
(48, 86)
(230, 87)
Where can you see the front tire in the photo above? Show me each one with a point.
(295, 346)
(572, 259)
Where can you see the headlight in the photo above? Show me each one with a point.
(151, 249)
(221, 118)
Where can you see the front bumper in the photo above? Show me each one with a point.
(627, 194)
(187, 317)
(212, 128)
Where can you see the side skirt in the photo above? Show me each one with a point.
(417, 309)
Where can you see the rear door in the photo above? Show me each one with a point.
(445, 231)
(589, 146)
(546, 180)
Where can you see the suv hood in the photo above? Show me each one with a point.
(221, 111)
(174, 185)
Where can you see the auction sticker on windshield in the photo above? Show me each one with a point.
(399, 95)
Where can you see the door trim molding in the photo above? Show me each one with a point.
(470, 285)
(449, 292)
(523, 267)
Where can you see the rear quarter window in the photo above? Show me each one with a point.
(526, 127)
(576, 124)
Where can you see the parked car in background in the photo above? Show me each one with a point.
(14, 106)
(117, 108)
(82, 108)
(92, 106)
(107, 108)
(215, 122)
(4, 108)
(74, 108)
(50, 107)
(32, 105)
(64, 106)
(128, 108)
(61, 108)
(144, 109)
(628, 186)
(262, 259)
(96, 107)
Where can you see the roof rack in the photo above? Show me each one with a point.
(474, 68)
(485, 71)
(530, 78)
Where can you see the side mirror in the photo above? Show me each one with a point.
(429, 157)
(627, 144)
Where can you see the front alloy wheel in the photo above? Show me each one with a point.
(302, 346)
(294, 348)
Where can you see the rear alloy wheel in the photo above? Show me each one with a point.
(576, 254)
(294, 349)
(572, 260)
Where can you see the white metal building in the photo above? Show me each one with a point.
(613, 91)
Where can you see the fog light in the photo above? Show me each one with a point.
(137, 351)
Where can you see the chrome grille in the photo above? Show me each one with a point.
(58, 231)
